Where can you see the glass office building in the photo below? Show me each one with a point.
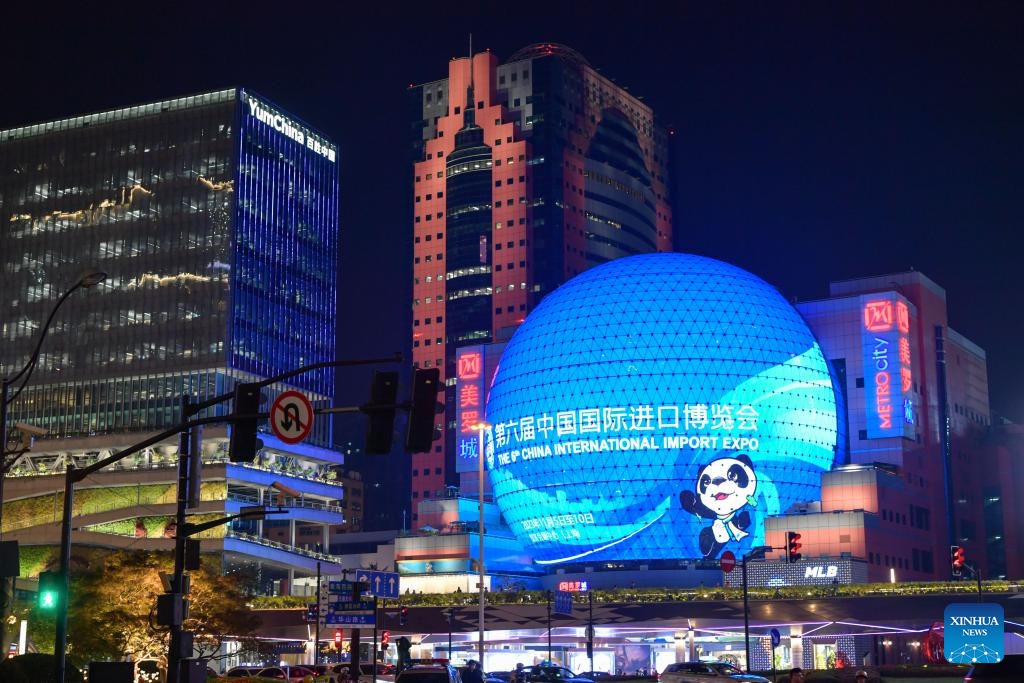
(215, 218)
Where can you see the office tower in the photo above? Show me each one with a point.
(215, 218)
(526, 173)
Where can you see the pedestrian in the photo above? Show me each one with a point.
(519, 676)
(473, 673)
(796, 675)
(862, 676)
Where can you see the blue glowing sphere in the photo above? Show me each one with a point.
(657, 407)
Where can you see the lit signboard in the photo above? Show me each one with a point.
(657, 407)
(888, 366)
(293, 130)
(573, 586)
(474, 369)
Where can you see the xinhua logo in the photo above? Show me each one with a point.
(974, 633)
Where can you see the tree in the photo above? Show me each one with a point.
(113, 604)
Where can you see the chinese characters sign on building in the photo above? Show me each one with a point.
(888, 366)
(475, 367)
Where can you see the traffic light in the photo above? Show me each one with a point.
(403, 616)
(385, 638)
(337, 638)
(793, 546)
(51, 590)
(244, 445)
(381, 424)
(956, 559)
(423, 412)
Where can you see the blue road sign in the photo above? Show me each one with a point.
(563, 602)
(380, 584)
(349, 619)
(776, 637)
(346, 606)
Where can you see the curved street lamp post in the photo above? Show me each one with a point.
(8, 457)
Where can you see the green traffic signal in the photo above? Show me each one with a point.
(51, 587)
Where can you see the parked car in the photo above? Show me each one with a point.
(293, 674)
(429, 673)
(242, 671)
(1011, 668)
(552, 674)
(488, 678)
(706, 672)
(382, 669)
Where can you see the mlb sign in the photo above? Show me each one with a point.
(821, 572)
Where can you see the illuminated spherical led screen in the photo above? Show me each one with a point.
(657, 407)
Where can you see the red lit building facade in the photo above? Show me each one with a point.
(526, 173)
(924, 469)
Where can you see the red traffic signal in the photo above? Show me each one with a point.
(793, 546)
(956, 559)
(403, 616)
(337, 638)
(385, 638)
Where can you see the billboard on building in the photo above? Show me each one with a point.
(474, 370)
(657, 407)
(888, 365)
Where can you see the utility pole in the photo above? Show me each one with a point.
(549, 627)
(590, 628)
(316, 645)
(755, 553)
(74, 475)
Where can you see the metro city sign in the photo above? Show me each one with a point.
(888, 367)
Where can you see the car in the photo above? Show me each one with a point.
(488, 678)
(332, 673)
(293, 674)
(552, 674)
(242, 671)
(429, 673)
(1010, 668)
(595, 675)
(382, 669)
(706, 672)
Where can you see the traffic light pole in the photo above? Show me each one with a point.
(755, 553)
(174, 651)
(316, 643)
(73, 474)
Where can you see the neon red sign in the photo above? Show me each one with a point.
(878, 316)
(573, 586)
(887, 364)
(470, 366)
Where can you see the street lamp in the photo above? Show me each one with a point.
(482, 429)
(89, 279)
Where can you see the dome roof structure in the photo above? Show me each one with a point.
(658, 407)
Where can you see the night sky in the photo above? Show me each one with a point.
(815, 142)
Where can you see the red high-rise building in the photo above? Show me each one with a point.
(526, 173)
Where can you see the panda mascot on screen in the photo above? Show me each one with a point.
(725, 486)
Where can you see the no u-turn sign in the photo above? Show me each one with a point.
(291, 417)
